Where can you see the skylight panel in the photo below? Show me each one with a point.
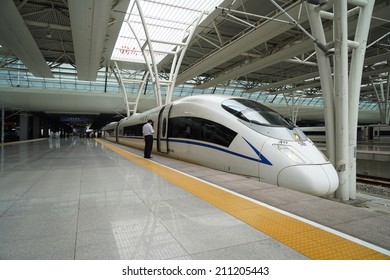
(166, 21)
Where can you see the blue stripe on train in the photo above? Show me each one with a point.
(261, 158)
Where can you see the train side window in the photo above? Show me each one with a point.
(110, 132)
(133, 130)
(200, 129)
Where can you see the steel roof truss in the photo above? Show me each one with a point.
(15, 35)
(253, 38)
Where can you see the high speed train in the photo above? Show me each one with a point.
(235, 135)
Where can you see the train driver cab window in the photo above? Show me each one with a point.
(256, 113)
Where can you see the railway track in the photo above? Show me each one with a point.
(373, 185)
(376, 181)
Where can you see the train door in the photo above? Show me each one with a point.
(162, 135)
(376, 133)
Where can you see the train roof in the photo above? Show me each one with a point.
(218, 98)
(110, 125)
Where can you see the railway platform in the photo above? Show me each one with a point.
(90, 199)
(373, 159)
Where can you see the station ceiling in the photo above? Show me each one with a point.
(235, 45)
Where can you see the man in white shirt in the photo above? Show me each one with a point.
(147, 131)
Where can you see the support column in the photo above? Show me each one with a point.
(150, 54)
(387, 100)
(355, 77)
(23, 126)
(131, 106)
(327, 84)
(2, 139)
(153, 71)
(342, 129)
(179, 58)
(45, 129)
(2, 125)
(36, 127)
(341, 93)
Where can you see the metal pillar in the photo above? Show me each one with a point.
(153, 72)
(340, 29)
(342, 134)
(383, 98)
(2, 124)
(149, 55)
(181, 49)
(355, 77)
(387, 100)
(2, 139)
(131, 106)
(327, 84)
(296, 102)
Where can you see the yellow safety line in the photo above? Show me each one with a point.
(307, 239)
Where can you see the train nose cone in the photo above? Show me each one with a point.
(316, 180)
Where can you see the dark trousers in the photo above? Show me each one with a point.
(148, 145)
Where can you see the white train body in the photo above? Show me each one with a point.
(235, 135)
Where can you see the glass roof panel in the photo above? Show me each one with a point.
(166, 20)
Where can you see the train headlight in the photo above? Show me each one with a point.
(290, 154)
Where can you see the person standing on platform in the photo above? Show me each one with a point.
(147, 131)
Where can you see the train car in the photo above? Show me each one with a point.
(110, 132)
(379, 133)
(235, 135)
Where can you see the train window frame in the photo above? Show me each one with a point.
(200, 129)
(244, 108)
(133, 130)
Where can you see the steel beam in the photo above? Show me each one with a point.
(153, 64)
(178, 58)
(89, 21)
(285, 82)
(15, 35)
(259, 64)
(248, 41)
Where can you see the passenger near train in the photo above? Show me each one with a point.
(232, 134)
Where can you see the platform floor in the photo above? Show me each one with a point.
(87, 199)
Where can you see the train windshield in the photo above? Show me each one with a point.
(256, 113)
